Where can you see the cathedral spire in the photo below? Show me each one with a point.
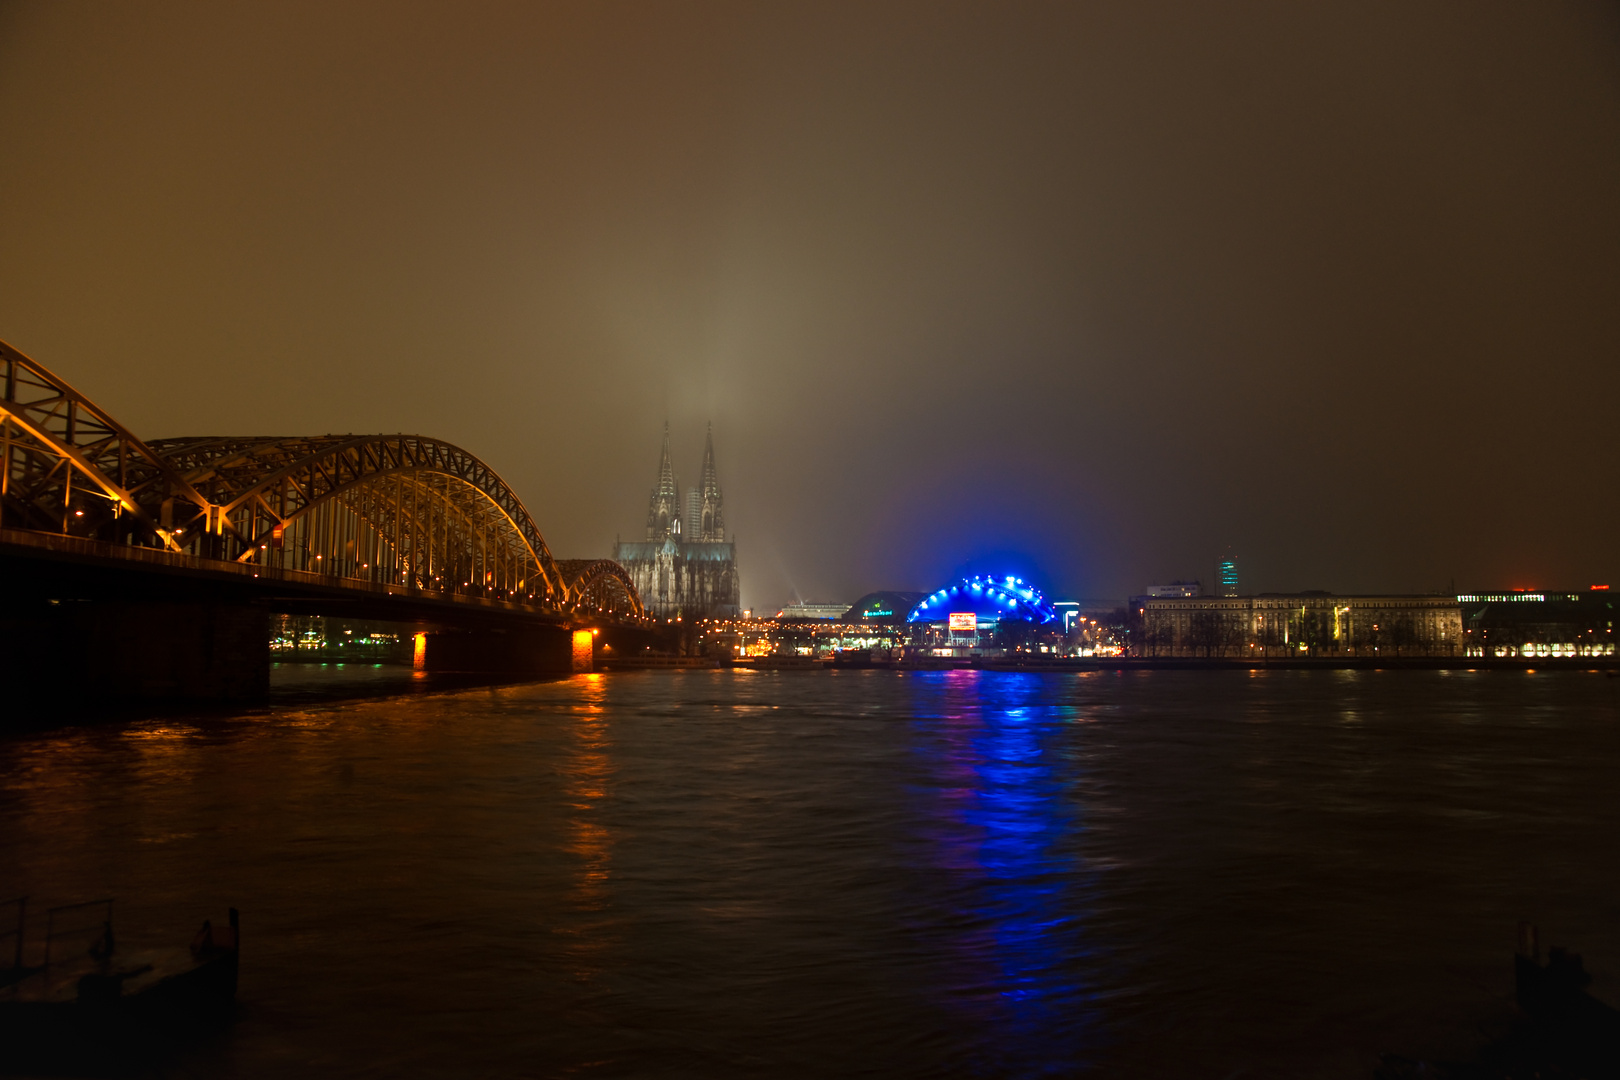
(687, 568)
(711, 481)
(663, 510)
(713, 521)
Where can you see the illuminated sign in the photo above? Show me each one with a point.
(964, 620)
(876, 613)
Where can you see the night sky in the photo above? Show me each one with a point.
(1091, 292)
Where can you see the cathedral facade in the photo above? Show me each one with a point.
(685, 567)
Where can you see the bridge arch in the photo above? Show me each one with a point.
(397, 509)
(600, 587)
(402, 510)
(69, 467)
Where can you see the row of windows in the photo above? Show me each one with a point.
(1285, 605)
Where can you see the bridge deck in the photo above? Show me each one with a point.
(272, 582)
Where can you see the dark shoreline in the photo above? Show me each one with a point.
(1213, 663)
(392, 680)
(1407, 663)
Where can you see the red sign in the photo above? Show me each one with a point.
(964, 620)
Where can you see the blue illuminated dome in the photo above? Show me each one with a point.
(1005, 598)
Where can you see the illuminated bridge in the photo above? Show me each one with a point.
(137, 539)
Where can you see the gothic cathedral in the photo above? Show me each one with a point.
(686, 567)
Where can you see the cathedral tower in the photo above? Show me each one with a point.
(712, 524)
(685, 568)
(664, 509)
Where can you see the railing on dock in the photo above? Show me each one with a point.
(79, 918)
(16, 932)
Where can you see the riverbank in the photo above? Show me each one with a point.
(1183, 663)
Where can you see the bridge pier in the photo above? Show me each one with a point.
(60, 654)
(540, 651)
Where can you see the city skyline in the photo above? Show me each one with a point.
(959, 290)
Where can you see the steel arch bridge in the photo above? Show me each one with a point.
(396, 510)
(599, 586)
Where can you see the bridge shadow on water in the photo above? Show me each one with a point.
(291, 685)
(304, 684)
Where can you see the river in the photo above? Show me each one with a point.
(912, 874)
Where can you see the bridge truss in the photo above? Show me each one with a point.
(399, 510)
(600, 587)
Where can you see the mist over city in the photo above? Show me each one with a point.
(1107, 289)
(809, 539)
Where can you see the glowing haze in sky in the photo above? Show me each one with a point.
(1086, 293)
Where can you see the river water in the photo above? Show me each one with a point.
(747, 874)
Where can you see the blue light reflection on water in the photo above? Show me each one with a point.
(1006, 829)
(853, 873)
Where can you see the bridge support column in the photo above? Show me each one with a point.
(545, 651)
(73, 652)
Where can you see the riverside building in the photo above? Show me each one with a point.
(983, 616)
(1301, 624)
(810, 611)
(1533, 623)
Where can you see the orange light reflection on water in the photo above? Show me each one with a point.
(588, 777)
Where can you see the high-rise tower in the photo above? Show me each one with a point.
(692, 522)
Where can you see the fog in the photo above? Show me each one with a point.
(1095, 293)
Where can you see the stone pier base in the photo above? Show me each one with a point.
(546, 651)
(70, 653)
